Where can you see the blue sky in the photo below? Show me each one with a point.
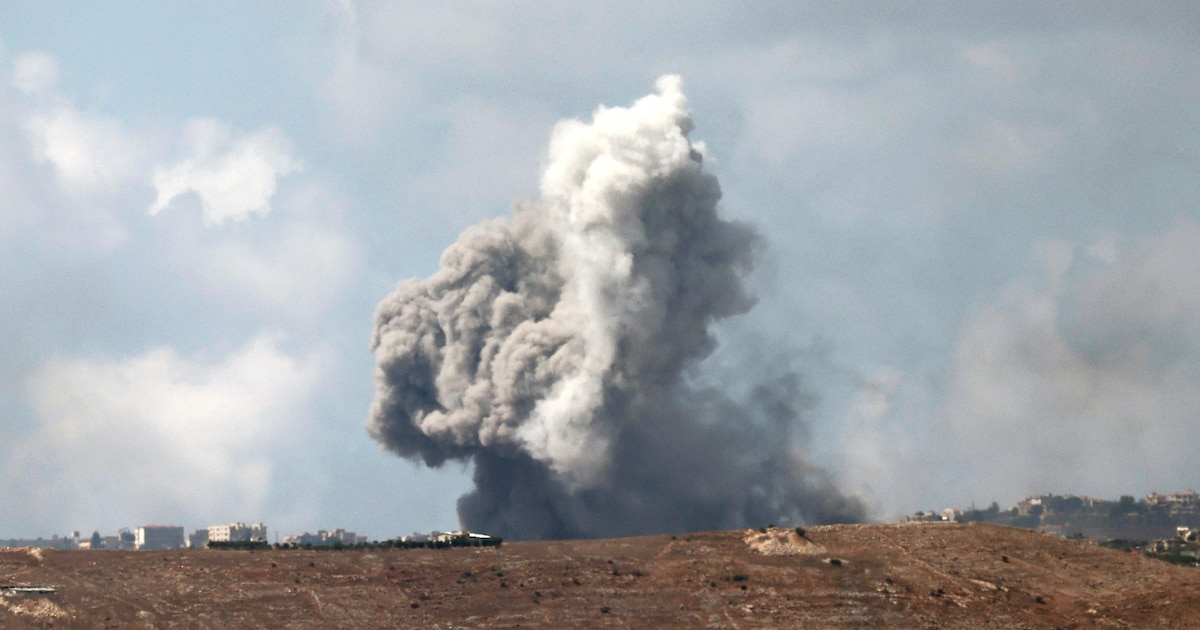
(981, 223)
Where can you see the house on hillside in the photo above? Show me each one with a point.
(1030, 506)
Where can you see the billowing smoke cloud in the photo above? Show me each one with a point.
(556, 349)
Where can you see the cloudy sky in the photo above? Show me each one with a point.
(981, 233)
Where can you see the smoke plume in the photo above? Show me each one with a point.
(555, 349)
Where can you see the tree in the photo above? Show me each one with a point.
(97, 542)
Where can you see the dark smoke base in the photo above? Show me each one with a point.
(701, 465)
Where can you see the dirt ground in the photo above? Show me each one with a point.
(928, 575)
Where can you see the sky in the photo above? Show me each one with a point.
(979, 230)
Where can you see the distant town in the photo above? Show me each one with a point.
(232, 535)
(1161, 523)
(1166, 526)
(1155, 516)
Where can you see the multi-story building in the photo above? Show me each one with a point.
(159, 537)
(237, 532)
(1185, 498)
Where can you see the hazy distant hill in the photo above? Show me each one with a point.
(1151, 518)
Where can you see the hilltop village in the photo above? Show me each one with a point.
(1156, 516)
(1165, 525)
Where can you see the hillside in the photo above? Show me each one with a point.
(911, 575)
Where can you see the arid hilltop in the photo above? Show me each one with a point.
(846, 576)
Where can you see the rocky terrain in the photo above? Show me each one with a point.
(927, 575)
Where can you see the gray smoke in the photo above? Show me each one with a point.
(554, 348)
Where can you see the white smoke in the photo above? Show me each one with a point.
(551, 347)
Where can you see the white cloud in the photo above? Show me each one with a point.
(35, 73)
(89, 154)
(85, 168)
(157, 436)
(64, 171)
(234, 177)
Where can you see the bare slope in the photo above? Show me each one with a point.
(927, 575)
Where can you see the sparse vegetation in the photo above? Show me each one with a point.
(560, 584)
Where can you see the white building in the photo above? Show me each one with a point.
(158, 537)
(237, 532)
(460, 535)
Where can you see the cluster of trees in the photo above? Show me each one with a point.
(990, 515)
(239, 544)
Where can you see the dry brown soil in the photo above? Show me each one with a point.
(845, 576)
